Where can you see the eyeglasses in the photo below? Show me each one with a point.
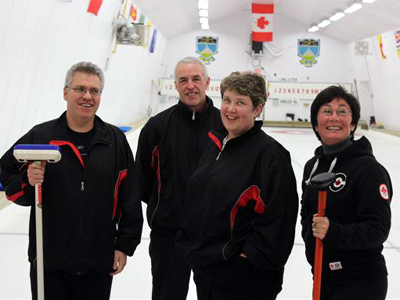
(341, 112)
(80, 90)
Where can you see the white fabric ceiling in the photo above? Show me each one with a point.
(173, 17)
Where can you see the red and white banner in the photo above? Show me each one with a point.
(262, 22)
(94, 6)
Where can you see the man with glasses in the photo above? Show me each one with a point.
(91, 220)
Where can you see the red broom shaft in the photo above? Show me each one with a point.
(319, 249)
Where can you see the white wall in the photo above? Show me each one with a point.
(234, 41)
(40, 41)
(383, 77)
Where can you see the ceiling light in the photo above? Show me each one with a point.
(203, 13)
(203, 4)
(313, 29)
(324, 23)
(337, 16)
(205, 26)
(353, 8)
(368, 1)
(203, 20)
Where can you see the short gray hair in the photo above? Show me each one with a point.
(192, 60)
(84, 67)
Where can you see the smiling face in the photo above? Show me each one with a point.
(191, 85)
(238, 113)
(81, 108)
(334, 128)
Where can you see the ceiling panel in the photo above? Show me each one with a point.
(174, 17)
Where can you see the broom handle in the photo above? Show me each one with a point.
(39, 240)
(319, 249)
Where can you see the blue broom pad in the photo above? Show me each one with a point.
(125, 128)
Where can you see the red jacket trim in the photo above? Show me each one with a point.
(15, 196)
(121, 176)
(73, 147)
(251, 193)
(215, 140)
(155, 164)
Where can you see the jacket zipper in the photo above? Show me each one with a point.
(81, 226)
(224, 142)
(193, 115)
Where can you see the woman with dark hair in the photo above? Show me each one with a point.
(241, 204)
(357, 221)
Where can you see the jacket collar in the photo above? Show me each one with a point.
(60, 131)
(183, 109)
(218, 135)
(358, 147)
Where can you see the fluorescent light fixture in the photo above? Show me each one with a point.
(324, 23)
(203, 20)
(203, 13)
(337, 16)
(205, 26)
(353, 8)
(368, 1)
(313, 29)
(203, 4)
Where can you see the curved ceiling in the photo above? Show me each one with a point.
(174, 17)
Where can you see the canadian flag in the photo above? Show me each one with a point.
(262, 22)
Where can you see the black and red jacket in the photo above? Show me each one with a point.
(241, 199)
(169, 149)
(358, 209)
(84, 200)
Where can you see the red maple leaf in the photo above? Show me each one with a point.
(261, 22)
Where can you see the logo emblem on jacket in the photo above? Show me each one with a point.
(337, 265)
(383, 190)
(339, 183)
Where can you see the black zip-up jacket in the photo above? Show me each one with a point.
(84, 200)
(170, 146)
(241, 199)
(358, 209)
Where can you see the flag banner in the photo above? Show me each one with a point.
(133, 13)
(380, 41)
(397, 38)
(142, 18)
(153, 41)
(262, 25)
(94, 6)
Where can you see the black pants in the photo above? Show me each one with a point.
(65, 286)
(171, 274)
(374, 289)
(237, 279)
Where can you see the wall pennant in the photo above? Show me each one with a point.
(397, 38)
(142, 18)
(94, 6)
(206, 47)
(380, 41)
(153, 41)
(308, 50)
(133, 13)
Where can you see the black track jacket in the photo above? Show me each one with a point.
(358, 209)
(84, 201)
(169, 149)
(242, 199)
